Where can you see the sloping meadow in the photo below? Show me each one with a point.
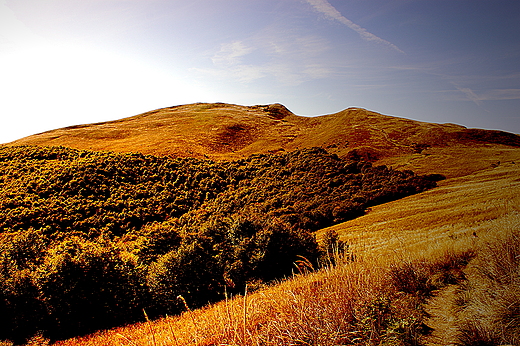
(88, 240)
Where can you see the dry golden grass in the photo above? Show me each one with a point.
(224, 132)
(457, 210)
(489, 311)
(339, 306)
(354, 303)
(485, 308)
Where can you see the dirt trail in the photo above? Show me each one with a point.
(443, 320)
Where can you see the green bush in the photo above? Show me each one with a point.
(21, 311)
(84, 286)
(279, 248)
(190, 272)
(22, 314)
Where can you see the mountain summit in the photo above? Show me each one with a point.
(222, 131)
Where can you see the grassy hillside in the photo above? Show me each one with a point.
(223, 131)
(457, 208)
(413, 273)
(410, 283)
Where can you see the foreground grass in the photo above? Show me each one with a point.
(489, 301)
(355, 303)
(368, 301)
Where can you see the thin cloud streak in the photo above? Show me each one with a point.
(470, 95)
(324, 7)
(501, 94)
(490, 95)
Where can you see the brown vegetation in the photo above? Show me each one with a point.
(89, 239)
(404, 250)
(223, 131)
(404, 278)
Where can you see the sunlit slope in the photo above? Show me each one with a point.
(471, 207)
(224, 131)
(462, 213)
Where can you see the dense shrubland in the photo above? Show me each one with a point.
(89, 239)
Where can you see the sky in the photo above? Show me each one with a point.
(69, 62)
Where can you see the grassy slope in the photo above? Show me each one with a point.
(317, 306)
(223, 131)
(479, 198)
(456, 209)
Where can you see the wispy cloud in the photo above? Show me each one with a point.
(500, 94)
(489, 95)
(229, 62)
(231, 53)
(470, 94)
(324, 7)
(291, 58)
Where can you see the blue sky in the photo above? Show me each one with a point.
(67, 62)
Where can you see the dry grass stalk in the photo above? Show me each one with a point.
(126, 339)
(244, 319)
(175, 342)
(152, 333)
(490, 311)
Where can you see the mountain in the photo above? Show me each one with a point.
(141, 227)
(225, 132)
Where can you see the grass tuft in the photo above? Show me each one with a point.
(490, 299)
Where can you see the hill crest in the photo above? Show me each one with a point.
(221, 131)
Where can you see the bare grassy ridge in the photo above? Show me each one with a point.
(223, 132)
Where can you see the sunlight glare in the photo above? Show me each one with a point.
(58, 85)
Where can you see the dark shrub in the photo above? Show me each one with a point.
(189, 271)
(85, 285)
(280, 247)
